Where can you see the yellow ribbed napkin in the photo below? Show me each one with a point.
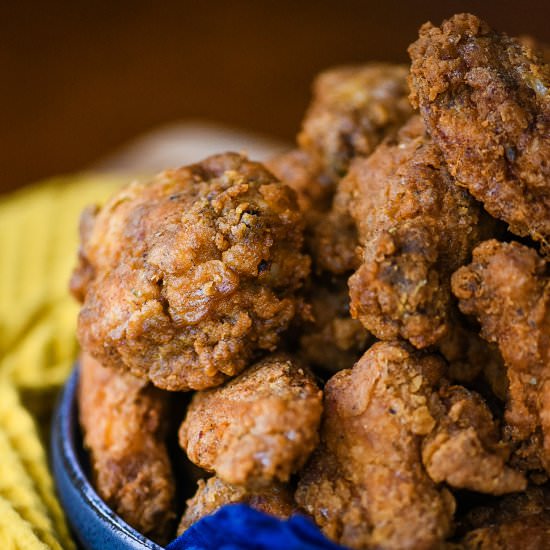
(38, 244)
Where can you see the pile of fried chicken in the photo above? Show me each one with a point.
(358, 331)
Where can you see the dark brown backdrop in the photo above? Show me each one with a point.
(78, 78)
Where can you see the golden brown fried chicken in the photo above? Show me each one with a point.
(514, 522)
(259, 427)
(416, 227)
(464, 450)
(365, 485)
(274, 499)
(332, 341)
(507, 288)
(353, 109)
(124, 420)
(188, 276)
(486, 103)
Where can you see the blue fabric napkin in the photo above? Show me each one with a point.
(239, 527)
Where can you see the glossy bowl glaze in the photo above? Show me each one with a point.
(93, 523)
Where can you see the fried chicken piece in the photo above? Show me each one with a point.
(124, 420)
(484, 97)
(257, 428)
(194, 273)
(352, 110)
(464, 448)
(518, 521)
(274, 499)
(507, 288)
(416, 227)
(332, 341)
(366, 486)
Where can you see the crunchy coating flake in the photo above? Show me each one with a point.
(353, 109)
(124, 420)
(259, 427)
(486, 102)
(464, 448)
(366, 486)
(193, 272)
(274, 499)
(507, 288)
(332, 341)
(416, 227)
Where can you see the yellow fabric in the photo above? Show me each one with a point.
(38, 244)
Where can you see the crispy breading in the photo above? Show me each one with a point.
(259, 427)
(415, 227)
(485, 99)
(366, 486)
(274, 499)
(125, 420)
(464, 450)
(352, 110)
(507, 288)
(194, 273)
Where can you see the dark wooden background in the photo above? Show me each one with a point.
(79, 78)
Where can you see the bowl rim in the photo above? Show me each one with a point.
(63, 454)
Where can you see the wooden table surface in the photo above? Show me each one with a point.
(80, 78)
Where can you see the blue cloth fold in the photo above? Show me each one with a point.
(239, 527)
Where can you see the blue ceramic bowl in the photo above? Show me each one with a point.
(93, 523)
